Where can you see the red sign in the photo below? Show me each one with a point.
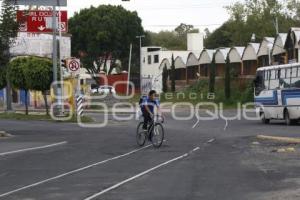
(35, 21)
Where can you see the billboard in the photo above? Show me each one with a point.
(40, 21)
(28, 44)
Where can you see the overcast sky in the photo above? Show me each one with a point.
(167, 14)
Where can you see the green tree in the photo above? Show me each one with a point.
(227, 88)
(173, 82)
(254, 16)
(212, 75)
(168, 40)
(39, 76)
(17, 76)
(2, 78)
(165, 79)
(8, 31)
(105, 33)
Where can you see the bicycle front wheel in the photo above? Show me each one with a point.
(158, 135)
(140, 135)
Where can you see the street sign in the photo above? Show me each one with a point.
(40, 2)
(73, 66)
(40, 21)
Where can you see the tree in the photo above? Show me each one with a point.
(227, 88)
(168, 39)
(165, 79)
(39, 76)
(184, 29)
(212, 75)
(254, 16)
(17, 77)
(2, 78)
(103, 34)
(8, 31)
(173, 83)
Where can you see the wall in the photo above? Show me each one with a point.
(113, 79)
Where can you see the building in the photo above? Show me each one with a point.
(235, 59)
(264, 56)
(279, 54)
(249, 59)
(155, 58)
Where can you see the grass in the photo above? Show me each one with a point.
(199, 92)
(39, 117)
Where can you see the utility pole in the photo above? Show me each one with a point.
(141, 58)
(54, 56)
(129, 66)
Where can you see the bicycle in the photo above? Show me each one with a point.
(155, 132)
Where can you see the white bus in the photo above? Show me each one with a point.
(277, 93)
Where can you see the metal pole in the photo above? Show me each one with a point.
(60, 57)
(129, 66)
(54, 53)
(141, 59)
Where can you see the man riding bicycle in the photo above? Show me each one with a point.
(148, 103)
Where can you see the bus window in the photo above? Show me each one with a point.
(259, 82)
(274, 81)
(286, 82)
(295, 80)
(294, 72)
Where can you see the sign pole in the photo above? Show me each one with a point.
(60, 57)
(54, 55)
(129, 66)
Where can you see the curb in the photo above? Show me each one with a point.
(279, 139)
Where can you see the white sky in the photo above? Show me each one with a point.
(167, 14)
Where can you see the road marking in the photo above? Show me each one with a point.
(32, 149)
(73, 171)
(211, 141)
(139, 175)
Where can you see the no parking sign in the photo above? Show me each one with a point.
(73, 66)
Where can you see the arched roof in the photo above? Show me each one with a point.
(251, 51)
(278, 47)
(179, 63)
(165, 62)
(265, 47)
(206, 56)
(235, 54)
(192, 60)
(294, 35)
(221, 55)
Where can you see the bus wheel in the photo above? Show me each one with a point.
(264, 119)
(288, 120)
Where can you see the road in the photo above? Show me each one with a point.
(46, 160)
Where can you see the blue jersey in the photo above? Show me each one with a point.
(150, 103)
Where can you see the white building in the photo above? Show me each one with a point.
(154, 58)
(30, 44)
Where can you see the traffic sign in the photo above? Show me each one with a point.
(40, 2)
(73, 65)
(40, 21)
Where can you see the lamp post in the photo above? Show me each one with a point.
(141, 58)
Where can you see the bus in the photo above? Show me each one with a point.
(277, 93)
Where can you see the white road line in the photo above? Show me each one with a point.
(73, 172)
(32, 149)
(139, 175)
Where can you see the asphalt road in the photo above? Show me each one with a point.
(46, 160)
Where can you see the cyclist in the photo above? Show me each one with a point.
(147, 106)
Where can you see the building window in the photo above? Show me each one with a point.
(144, 60)
(149, 60)
(156, 58)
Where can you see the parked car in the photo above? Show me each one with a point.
(104, 89)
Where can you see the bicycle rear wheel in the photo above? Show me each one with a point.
(158, 135)
(141, 135)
